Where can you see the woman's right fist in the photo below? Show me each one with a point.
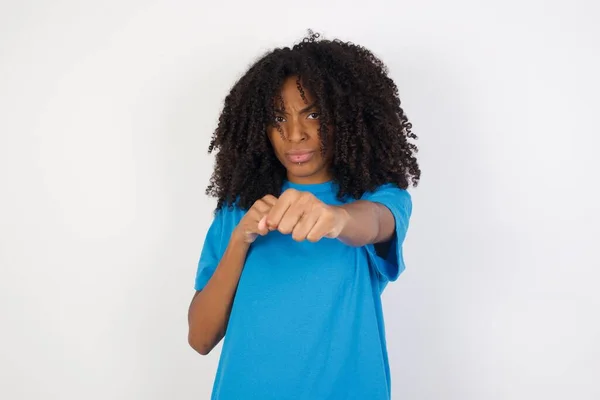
(253, 223)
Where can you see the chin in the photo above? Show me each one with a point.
(302, 169)
(306, 172)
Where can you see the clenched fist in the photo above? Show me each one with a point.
(305, 217)
(253, 222)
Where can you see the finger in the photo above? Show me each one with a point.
(279, 209)
(270, 200)
(291, 217)
(262, 226)
(262, 207)
(322, 228)
(304, 226)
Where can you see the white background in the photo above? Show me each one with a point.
(106, 110)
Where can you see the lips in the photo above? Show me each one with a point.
(299, 156)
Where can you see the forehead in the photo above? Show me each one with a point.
(293, 93)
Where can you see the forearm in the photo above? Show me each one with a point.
(209, 312)
(366, 223)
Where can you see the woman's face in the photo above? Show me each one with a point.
(294, 136)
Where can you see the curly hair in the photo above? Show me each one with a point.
(371, 133)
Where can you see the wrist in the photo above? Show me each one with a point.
(238, 239)
(342, 218)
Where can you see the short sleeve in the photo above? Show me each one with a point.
(212, 250)
(398, 201)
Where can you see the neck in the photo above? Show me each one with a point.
(310, 180)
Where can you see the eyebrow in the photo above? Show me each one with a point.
(303, 111)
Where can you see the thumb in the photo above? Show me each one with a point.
(262, 226)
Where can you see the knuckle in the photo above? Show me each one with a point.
(261, 207)
(291, 193)
(319, 209)
(329, 215)
(307, 196)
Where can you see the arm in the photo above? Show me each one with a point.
(307, 218)
(210, 308)
(366, 222)
(209, 312)
(378, 222)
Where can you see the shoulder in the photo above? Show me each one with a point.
(225, 219)
(390, 193)
(227, 213)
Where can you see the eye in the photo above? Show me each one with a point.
(279, 119)
(313, 115)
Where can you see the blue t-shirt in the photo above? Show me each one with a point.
(306, 322)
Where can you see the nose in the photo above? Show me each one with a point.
(296, 133)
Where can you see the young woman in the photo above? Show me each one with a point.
(314, 157)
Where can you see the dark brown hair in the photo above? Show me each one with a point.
(372, 135)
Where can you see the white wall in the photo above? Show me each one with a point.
(106, 110)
